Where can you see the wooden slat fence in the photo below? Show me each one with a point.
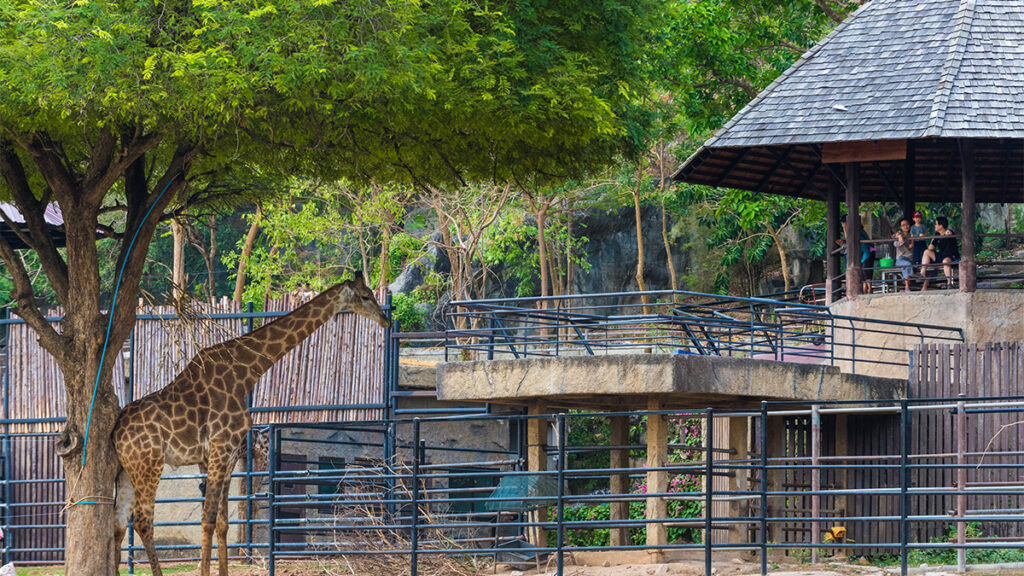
(993, 369)
(341, 363)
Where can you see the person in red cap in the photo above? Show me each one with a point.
(919, 229)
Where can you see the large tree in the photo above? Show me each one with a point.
(122, 112)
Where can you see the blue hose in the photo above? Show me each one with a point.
(110, 320)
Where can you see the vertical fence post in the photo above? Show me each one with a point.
(763, 512)
(490, 337)
(273, 460)
(904, 484)
(248, 463)
(388, 351)
(560, 534)
(961, 484)
(815, 480)
(751, 305)
(853, 347)
(129, 396)
(6, 446)
(709, 459)
(415, 514)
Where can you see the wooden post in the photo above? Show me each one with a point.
(909, 181)
(619, 482)
(853, 273)
(968, 250)
(657, 480)
(537, 461)
(739, 449)
(831, 235)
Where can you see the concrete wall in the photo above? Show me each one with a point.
(984, 316)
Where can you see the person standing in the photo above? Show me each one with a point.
(904, 243)
(919, 229)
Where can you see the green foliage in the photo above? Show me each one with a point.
(404, 311)
(512, 243)
(722, 52)
(486, 89)
(304, 242)
(947, 556)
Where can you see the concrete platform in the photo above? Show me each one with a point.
(626, 382)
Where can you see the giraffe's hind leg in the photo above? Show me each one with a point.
(145, 482)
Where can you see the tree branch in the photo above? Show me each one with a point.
(144, 213)
(50, 161)
(829, 11)
(105, 174)
(33, 210)
(25, 303)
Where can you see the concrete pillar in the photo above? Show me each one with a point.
(537, 461)
(619, 426)
(739, 431)
(657, 481)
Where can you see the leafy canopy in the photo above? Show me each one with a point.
(371, 89)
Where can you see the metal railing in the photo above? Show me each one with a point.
(684, 323)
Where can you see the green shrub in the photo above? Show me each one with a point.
(409, 317)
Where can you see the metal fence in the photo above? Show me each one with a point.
(429, 501)
(402, 491)
(684, 323)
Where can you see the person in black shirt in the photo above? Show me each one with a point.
(943, 250)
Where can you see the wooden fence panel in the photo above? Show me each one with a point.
(975, 370)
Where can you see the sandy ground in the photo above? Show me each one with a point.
(672, 569)
(732, 568)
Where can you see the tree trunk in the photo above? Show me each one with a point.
(89, 548)
(668, 245)
(640, 283)
(542, 252)
(783, 259)
(570, 271)
(210, 257)
(243, 260)
(178, 269)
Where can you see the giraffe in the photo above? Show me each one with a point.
(201, 418)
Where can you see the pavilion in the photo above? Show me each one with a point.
(905, 101)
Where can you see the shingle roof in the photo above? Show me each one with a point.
(924, 70)
(51, 215)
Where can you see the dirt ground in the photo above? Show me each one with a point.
(732, 568)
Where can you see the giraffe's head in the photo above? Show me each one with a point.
(355, 296)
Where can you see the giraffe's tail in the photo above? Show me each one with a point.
(124, 502)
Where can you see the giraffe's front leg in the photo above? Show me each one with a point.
(222, 524)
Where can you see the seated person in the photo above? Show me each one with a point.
(904, 243)
(943, 250)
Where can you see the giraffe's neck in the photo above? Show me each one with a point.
(272, 341)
